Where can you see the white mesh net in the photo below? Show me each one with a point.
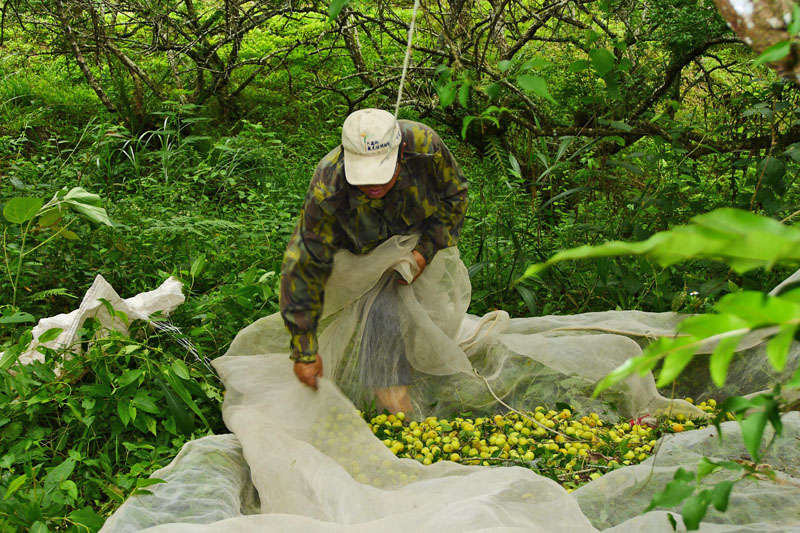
(306, 460)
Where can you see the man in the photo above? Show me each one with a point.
(388, 177)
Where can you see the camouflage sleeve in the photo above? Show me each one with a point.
(307, 263)
(443, 228)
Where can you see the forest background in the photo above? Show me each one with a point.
(198, 124)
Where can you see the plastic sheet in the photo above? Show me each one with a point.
(315, 465)
(165, 299)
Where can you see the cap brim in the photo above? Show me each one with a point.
(373, 169)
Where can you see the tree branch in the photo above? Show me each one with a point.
(674, 70)
(90, 79)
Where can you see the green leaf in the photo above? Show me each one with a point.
(758, 308)
(772, 410)
(336, 8)
(794, 382)
(561, 195)
(739, 222)
(720, 495)
(466, 121)
(493, 91)
(790, 293)
(144, 401)
(463, 94)
(50, 217)
(672, 522)
(180, 369)
(124, 412)
(65, 233)
(721, 357)
(148, 482)
(504, 65)
(536, 62)
(39, 527)
(778, 346)
(630, 167)
(86, 518)
(184, 395)
(130, 376)
(705, 326)
(612, 84)
(527, 297)
(620, 125)
(771, 171)
(12, 353)
(70, 488)
(737, 404)
(197, 266)
(753, 431)
(674, 492)
(442, 73)
(695, 509)
(675, 362)
(623, 446)
(683, 475)
(641, 364)
(732, 404)
(15, 485)
(43, 372)
(182, 417)
(794, 25)
(512, 161)
(776, 52)
(59, 473)
(130, 348)
(536, 85)
(21, 210)
(150, 424)
(730, 465)
(602, 61)
(447, 93)
(706, 467)
(19, 317)
(579, 65)
(624, 64)
(87, 205)
(50, 335)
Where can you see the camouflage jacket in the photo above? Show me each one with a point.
(429, 198)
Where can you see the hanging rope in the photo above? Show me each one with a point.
(407, 58)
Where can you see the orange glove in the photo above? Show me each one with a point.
(308, 373)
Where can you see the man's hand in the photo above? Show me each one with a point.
(308, 373)
(421, 263)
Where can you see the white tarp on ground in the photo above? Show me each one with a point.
(300, 460)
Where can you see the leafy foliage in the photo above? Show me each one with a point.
(88, 427)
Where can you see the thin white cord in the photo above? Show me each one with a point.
(407, 58)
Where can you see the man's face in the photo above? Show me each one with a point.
(379, 191)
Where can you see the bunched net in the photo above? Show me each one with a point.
(299, 459)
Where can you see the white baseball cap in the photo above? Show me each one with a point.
(371, 139)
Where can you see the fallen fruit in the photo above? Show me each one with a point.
(563, 445)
